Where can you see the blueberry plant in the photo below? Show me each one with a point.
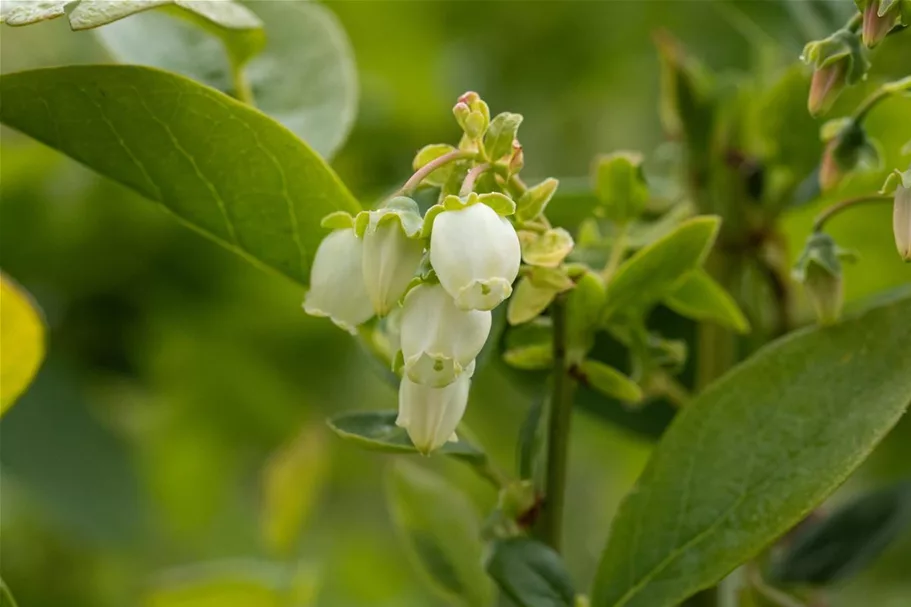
(467, 264)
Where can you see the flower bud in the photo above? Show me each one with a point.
(879, 19)
(819, 269)
(461, 112)
(476, 255)
(847, 148)
(390, 259)
(337, 287)
(431, 415)
(838, 61)
(901, 221)
(516, 158)
(439, 341)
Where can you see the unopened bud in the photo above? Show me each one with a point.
(517, 159)
(826, 86)
(879, 19)
(819, 269)
(899, 185)
(469, 97)
(475, 125)
(847, 148)
(901, 221)
(838, 61)
(461, 112)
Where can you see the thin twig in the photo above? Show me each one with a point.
(415, 180)
(472, 177)
(838, 207)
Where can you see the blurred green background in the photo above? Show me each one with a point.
(176, 371)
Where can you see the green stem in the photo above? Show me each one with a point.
(883, 92)
(490, 473)
(242, 90)
(776, 596)
(559, 421)
(616, 254)
(838, 207)
(415, 180)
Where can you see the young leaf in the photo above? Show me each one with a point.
(376, 431)
(620, 184)
(442, 531)
(316, 99)
(530, 573)
(840, 545)
(528, 301)
(754, 453)
(608, 381)
(236, 176)
(530, 346)
(501, 133)
(657, 270)
(21, 341)
(701, 298)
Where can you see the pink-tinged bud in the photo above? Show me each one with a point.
(830, 173)
(461, 112)
(901, 221)
(878, 23)
(469, 97)
(826, 86)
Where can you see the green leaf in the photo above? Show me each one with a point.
(530, 573)
(583, 308)
(316, 98)
(220, 166)
(442, 531)
(530, 346)
(376, 431)
(838, 546)
(608, 381)
(501, 133)
(754, 453)
(528, 301)
(21, 341)
(701, 298)
(292, 480)
(658, 269)
(534, 201)
(620, 184)
(234, 583)
(6, 595)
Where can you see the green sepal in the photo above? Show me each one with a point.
(501, 203)
(338, 220)
(528, 301)
(896, 178)
(546, 250)
(500, 135)
(843, 45)
(533, 202)
(430, 216)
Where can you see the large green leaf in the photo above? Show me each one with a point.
(756, 452)
(222, 167)
(656, 271)
(21, 341)
(305, 76)
(442, 531)
(530, 573)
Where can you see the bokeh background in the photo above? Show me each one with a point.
(179, 378)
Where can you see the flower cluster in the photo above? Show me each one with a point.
(372, 263)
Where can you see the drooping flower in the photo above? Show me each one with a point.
(392, 253)
(431, 415)
(438, 340)
(476, 255)
(337, 286)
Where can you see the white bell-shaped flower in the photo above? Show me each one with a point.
(901, 221)
(439, 340)
(431, 415)
(336, 282)
(390, 260)
(476, 255)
